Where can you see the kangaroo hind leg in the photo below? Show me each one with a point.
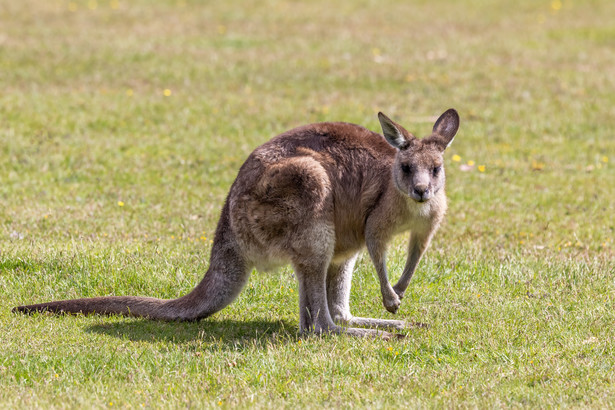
(313, 304)
(339, 277)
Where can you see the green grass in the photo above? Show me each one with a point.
(518, 287)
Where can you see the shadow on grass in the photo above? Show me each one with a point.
(229, 332)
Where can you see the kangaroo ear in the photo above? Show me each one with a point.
(446, 127)
(394, 133)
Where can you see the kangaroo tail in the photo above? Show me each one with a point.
(224, 280)
(219, 287)
(124, 305)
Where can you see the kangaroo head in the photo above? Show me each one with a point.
(418, 170)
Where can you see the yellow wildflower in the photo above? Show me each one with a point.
(537, 166)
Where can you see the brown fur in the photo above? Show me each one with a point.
(314, 196)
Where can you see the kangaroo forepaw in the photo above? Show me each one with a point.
(391, 302)
(399, 292)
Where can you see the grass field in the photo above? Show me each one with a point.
(123, 124)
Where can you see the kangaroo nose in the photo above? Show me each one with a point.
(421, 190)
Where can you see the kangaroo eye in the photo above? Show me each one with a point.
(405, 169)
(436, 170)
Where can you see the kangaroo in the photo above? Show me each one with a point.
(314, 196)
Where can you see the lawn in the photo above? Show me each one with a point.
(123, 124)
